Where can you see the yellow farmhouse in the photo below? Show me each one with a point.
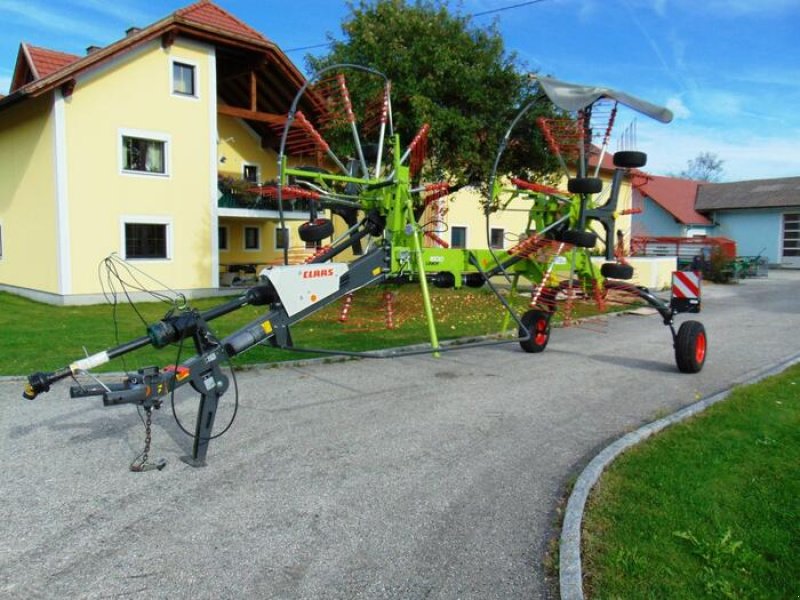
(130, 149)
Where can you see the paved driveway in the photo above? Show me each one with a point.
(405, 478)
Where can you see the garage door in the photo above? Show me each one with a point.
(791, 240)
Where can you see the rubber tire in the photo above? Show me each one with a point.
(616, 271)
(315, 231)
(630, 159)
(576, 237)
(537, 324)
(691, 346)
(585, 185)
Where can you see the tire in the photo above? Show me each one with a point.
(473, 280)
(315, 231)
(585, 185)
(576, 237)
(616, 271)
(537, 324)
(691, 346)
(630, 159)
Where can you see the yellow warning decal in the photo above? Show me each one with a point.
(376, 271)
(267, 327)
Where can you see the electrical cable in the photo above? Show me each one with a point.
(235, 395)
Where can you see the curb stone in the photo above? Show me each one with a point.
(570, 570)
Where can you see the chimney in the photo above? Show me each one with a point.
(131, 30)
(92, 49)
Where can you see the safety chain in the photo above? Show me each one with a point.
(141, 464)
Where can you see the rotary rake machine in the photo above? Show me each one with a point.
(392, 232)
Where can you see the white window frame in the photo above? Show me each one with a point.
(258, 171)
(466, 235)
(196, 72)
(154, 136)
(227, 238)
(146, 220)
(244, 238)
(288, 237)
(502, 238)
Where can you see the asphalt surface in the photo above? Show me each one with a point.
(412, 477)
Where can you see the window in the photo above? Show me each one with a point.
(222, 238)
(144, 155)
(281, 238)
(458, 237)
(146, 240)
(791, 235)
(497, 237)
(252, 238)
(183, 79)
(250, 173)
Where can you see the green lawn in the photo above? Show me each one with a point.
(41, 337)
(708, 509)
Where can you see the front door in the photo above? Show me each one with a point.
(791, 240)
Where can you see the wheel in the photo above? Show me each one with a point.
(537, 324)
(582, 239)
(473, 280)
(315, 231)
(585, 185)
(690, 347)
(616, 271)
(630, 159)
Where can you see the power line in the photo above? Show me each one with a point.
(504, 8)
(477, 14)
(310, 47)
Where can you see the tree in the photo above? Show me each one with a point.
(447, 72)
(706, 166)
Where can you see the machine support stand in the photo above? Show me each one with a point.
(206, 414)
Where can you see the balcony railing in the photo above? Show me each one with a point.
(256, 202)
(236, 193)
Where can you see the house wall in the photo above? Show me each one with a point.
(465, 210)
(755, 231)
(133, 94)
(28, 197)
(239, 145)
(655, 221)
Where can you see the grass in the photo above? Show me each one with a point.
(707, 509)
(41, 337)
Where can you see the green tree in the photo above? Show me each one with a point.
(449, 73)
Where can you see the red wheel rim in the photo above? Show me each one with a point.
(541, 332)
(700, 348)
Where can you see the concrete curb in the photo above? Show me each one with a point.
(570, 570)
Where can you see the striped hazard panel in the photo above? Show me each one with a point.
(686, 291)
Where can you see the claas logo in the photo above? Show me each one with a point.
(313, 274)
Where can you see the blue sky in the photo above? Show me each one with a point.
(729, 69)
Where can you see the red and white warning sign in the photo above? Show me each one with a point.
(686, 291)
(686, 284)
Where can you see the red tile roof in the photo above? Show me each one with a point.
(43, 62)
(207, 13)
(676, 196)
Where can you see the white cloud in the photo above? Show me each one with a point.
(744, 155)
(45, 18)
(678, 108)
